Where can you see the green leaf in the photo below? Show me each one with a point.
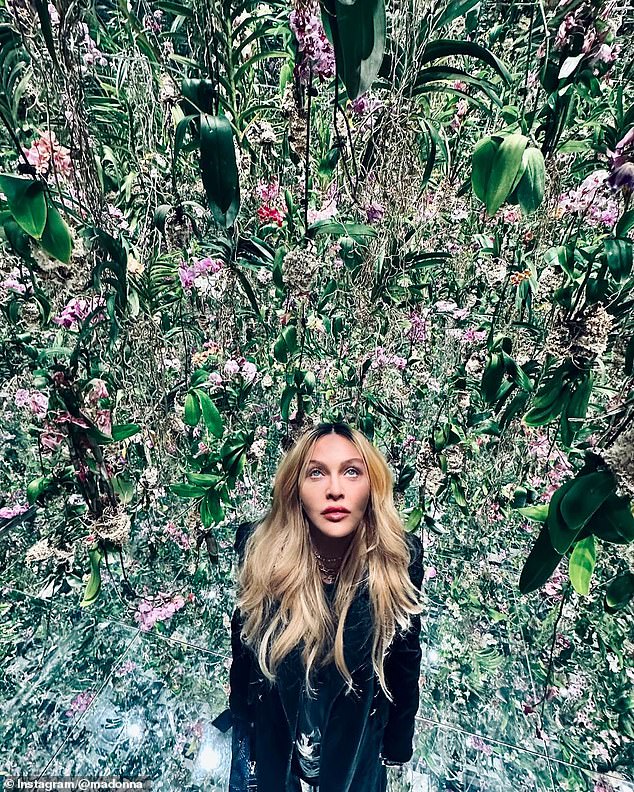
(575, 409)
(618, 255)
(56, 239)
(211, 509)
(203, 479)
(492, 376)
(538, 513)
(358, 32)
(449, 48)
(93, 587)
(613, 521)
(453, 10)
(199, 94)
(481, 165)
(123, 487)
(123, 431)
(219, 169)
(580, 502)
(620, 592)
(504, 171)
(540, 564)
(530, 188)
(625, 224)
(187, 490)
(192, 411)
(27, 203)
(36, 487)
(338, 228)
(47, 31)
(211, 416)
(285, 402)
(581, 566)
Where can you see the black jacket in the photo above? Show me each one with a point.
(359, 727)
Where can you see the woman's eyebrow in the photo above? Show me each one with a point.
(347, 461)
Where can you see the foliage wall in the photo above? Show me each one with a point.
(225, 221)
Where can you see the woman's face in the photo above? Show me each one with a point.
(336, 478)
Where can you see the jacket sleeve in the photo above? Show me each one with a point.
(402, 673)
(242, 657)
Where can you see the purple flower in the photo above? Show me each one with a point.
(317, 54)
(374, 212)
(80, 703)
(77, 309)
(7, 512)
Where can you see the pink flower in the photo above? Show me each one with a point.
(51, 438)
(80, 703)
(479, 745)
(104, 421)
(364, 104)
(7, 512)
(46, 151)
(419, 331)
(268, 192)
(325, 213)
(471, 334)
(13, 282)
(78, 309)
(316, 53)
(159, 608)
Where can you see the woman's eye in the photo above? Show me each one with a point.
(317, 470)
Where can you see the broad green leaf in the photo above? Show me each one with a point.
(618, 255)
(530, 188)
(506, 164)
(56, 239)
(219, 168)
(580, 502)
(211, 416)
(481, 165)
(542, 561)
(27, 203)
(192, 412)
(36, 487)
(581, 566)
(620, 592)
(450, 48)
(358, 34)
(453, 10)
(123, 487)
(187, 490)
(93, 587)
(338, 228)
(123, 431)
(203, 479)
(537, 513)
(613, 521)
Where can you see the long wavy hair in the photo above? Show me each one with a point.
(280, 593)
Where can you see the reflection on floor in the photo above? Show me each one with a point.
(86, 692)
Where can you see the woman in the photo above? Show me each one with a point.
(325, 636)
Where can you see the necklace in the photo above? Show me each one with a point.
(328, 573)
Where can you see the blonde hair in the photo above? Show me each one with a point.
(279, 568)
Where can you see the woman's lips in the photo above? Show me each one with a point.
(336, 516)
